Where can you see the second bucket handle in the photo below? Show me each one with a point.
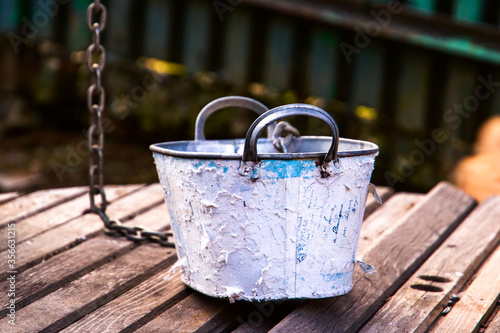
(225, 102)
(271, 116)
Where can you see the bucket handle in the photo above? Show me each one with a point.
(250, 149)
(225, 102)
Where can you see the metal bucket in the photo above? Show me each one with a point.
(252, 223)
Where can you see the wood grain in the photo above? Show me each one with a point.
(140, 304)
(387, 217)
(201, 309)
(58, 215)
(82, 296)
(454, 262)
(494, 325)
(477, 302)
(51, 274)
(5, 197)
(36, 202)
(396, 256)
(80, 229)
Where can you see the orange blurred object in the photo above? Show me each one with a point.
(479, 174)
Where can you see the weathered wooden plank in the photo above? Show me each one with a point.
(278, 54)
(5, 197)
(36, 202)
(262, 317)
(237, 46)
(386, 218)
(322, 73)
(208, 315)
(447, 270)
(80, 297)
(197, 35)
(158, 28)
(137, 306)
(57, 239)
(494, 325)
(371, 203)
(396, 255)
(476, 302)
(200, 308)
(79, 260)
(58, 215)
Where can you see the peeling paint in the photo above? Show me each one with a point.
(277, 230)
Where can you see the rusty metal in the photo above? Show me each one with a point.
(282, 141)
(447, 308)
(96, 100)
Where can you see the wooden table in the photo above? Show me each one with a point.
(70, 276)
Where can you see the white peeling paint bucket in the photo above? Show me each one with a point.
(251, 223)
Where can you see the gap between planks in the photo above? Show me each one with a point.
(78, 230)
(60, 214)
(36, 202)
(477, 301)
(79, 260)
(494, 324)
(448, 269)
(6, 197)
(82, 296)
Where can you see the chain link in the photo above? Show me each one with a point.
(96, 99)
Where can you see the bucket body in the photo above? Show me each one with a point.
(271, 226)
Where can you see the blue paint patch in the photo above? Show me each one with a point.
(212, 164)
(355, 205)
(288, 168)
(301, 255)
(282, 168)
(336, 277)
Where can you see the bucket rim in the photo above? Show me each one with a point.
(161, 149)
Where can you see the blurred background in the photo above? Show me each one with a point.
(416, 77)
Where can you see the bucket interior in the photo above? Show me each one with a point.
(233, 149)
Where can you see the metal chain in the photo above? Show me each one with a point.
(96, 99)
